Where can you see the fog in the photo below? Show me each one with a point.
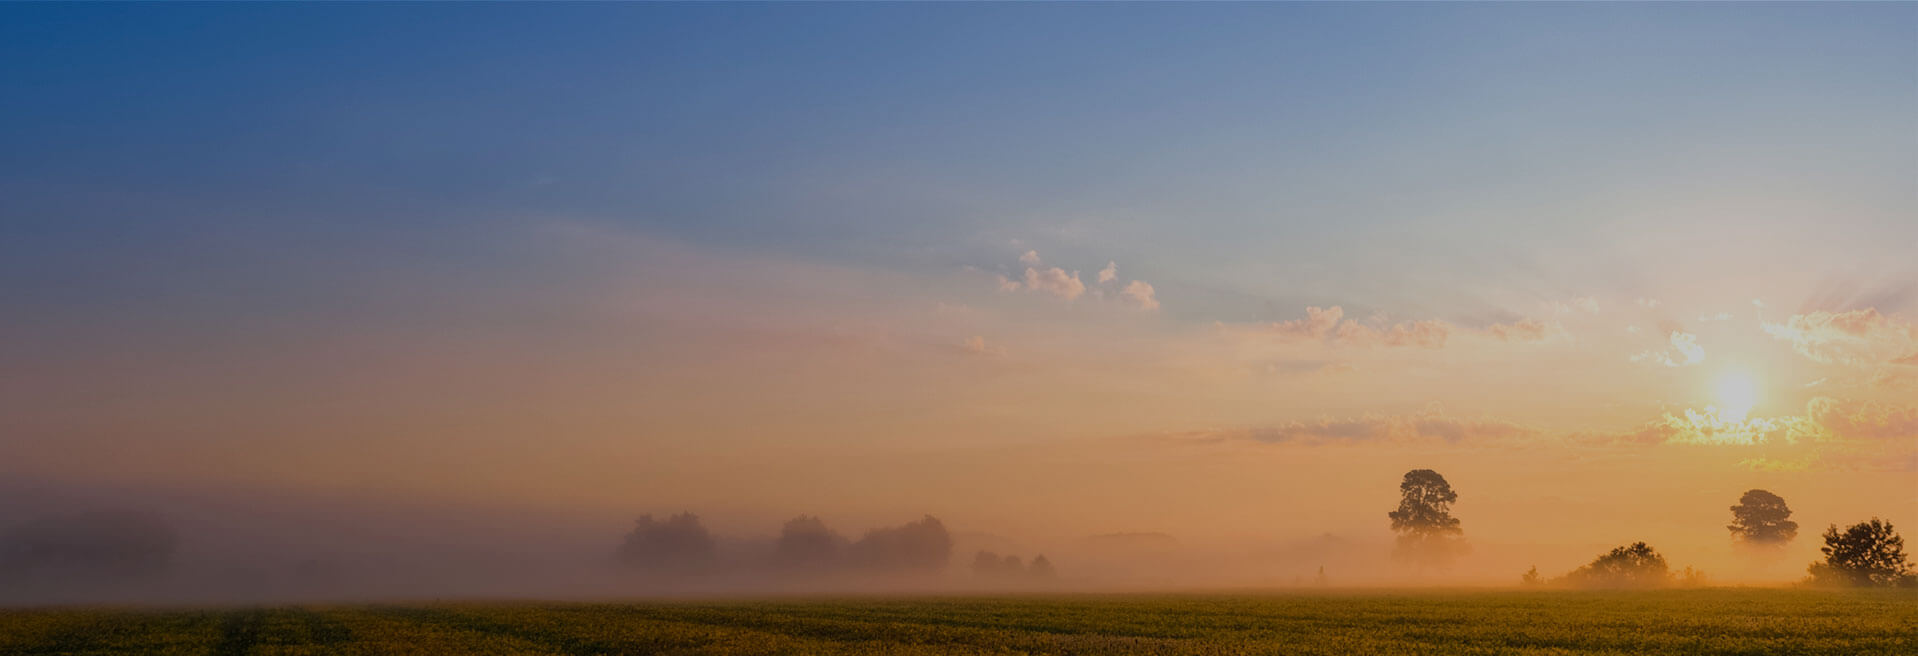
(248, 546)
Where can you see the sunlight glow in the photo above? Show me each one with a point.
(1737, 393)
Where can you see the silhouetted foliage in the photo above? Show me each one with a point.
(1762, 519)
(805, 543)
(1424, 518)
(989, 566)
(1864, 554)
(1041, 569)
(1531, 577)
(985, 564)
(921, 546)
(103, 545)
(1633, 566)
(678, 544)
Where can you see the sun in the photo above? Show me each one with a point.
(1737, 393)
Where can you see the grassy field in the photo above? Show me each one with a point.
(1724, 621)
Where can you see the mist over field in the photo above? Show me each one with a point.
(355, 302)
(229, 547)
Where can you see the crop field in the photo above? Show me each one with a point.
(1722, 621)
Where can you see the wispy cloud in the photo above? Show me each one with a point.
(1430, 426)
(1863, 336)
(1684, 351)
(1329, 324)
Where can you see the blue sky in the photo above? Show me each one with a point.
(649, 234)
(1252, 154)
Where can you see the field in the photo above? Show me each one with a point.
(1723, 621)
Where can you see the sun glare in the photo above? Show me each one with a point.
(1737, 393)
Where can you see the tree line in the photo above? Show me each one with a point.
(681, 546)
(1866, 554)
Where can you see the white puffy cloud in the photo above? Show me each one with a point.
(1110, 273)
(1140, 292)
(1055, 281)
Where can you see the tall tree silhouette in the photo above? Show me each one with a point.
(1762, 519)
(1864, 554)
(1424, 518)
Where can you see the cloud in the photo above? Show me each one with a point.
(1030, 258)
(1709, 427)
(1863, 336)
(976, 345)
(1426, 426)
(1826, 420)
(1429, 333)
(1775, 465)
(1316, 324)
(1685, 348)
(1110, 273)
(1054, 281)
(1523, 330)
(1329, 323)
(1584, 304)
(1140, 292)
(1858, 420)
(1647, 303)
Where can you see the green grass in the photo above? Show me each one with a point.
(1724, 621)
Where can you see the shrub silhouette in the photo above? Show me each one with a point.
(1865, 554)
(1636, 565)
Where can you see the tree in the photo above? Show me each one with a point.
(1633, 566)
(985, 565)
(1865, 554)
(1762, 519)
(1530, 577)
(806, 543)
(921, 546)
(1424, 518)
(1041, 569)
(680, 543)
(89, 546)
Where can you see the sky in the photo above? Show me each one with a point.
(1221, 271)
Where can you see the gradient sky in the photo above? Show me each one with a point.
(758, 260)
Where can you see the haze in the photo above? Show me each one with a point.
(439, 299)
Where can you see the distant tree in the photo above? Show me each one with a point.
(1012, 567)
(1762, 519)
(922, 546)
(97, 546)
(1531, 577)
(1424, 518)
(1320, 579)
(678, 544)
(806, 543)
(1633, 566)
(1864, 554)
(1041, 569)
(985, 565)
(1692, 577)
